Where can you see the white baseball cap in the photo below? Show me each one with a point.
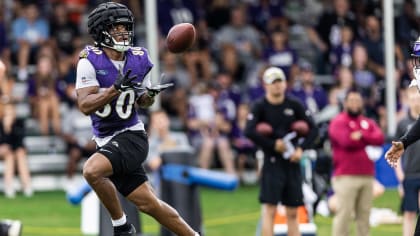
(273, 73)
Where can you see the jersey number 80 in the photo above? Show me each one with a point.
(123, 106)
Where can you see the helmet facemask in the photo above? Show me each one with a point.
(119, 35)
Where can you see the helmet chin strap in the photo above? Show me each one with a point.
(416, 80)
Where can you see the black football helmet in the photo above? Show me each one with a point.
(104, 18)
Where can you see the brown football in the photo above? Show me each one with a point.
(180, 37)
(301, 127)
(264, 129)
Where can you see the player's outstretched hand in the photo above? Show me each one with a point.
(394, 153)
(124, 82)
(156, 89)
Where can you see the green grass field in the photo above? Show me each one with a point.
(224, 213)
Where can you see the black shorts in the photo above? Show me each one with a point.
(281, 183)
(127, 152)
(15, 137)
(410, 201)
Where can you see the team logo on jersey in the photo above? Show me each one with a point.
(115, 143)
(83, 54)
(101, 72)
(289, 112)
(364, 124)
(104, 150)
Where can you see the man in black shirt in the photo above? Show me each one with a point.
(281, 179)
(413, 134)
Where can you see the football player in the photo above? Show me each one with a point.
(112, 79)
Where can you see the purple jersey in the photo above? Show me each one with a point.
(120, 113)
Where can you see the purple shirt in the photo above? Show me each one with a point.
(283, 59)
(121, 112)
(314, 101)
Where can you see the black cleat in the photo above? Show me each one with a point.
(130, 232)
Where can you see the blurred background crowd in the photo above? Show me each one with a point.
(325, 47)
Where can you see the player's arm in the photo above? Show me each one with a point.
(145, 100)
(89, 97)
(412, 135)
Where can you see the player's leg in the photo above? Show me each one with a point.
(292, 221)
(292, 198)
(9, 169)
(206, 152)
(96, 171)
(364, 204)
(268, 211)
(410, 205)
(23, 169)
(417, 229)
(345, 193)
(74, 156)
(146, 201)
(226, 154)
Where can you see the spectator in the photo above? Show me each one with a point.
(408, 170)
(407, 25)
(345, 82)
(265, 15)
(198, 59)
(161, 139)
(12, 149)
(374, 44)
(230, 63)
(210, 124)
(174, 73)
(281, 178)
(30, 31)
(172, 12)
(365, 80)
(241, 35)
(229, 89)
(4, 45)
(353, 172)
(279, 54)
(44, 100)
(217, 14)
(327, 32)
(65, 35)
(307, 91)
(244, 147)
(77, 133)
(341, 54)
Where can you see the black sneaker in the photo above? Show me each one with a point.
(130, 232)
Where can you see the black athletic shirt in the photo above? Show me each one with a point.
(280, 117)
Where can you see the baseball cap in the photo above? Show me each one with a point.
(273, 73)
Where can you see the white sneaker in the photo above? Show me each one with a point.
(28, 192)
(10, 193)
